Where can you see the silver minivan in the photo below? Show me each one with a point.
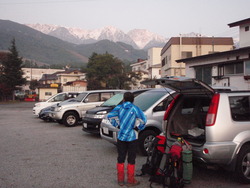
(153, 103)
(71, 112)
(216, 123)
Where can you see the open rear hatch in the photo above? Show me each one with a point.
(181, 84)
(188, 113)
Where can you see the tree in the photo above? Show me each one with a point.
(34, 84)
(11, 73)
(104, 71)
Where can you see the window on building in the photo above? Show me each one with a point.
(204, 74)
(229, 69)
(186, 55)
(48, 93)
(247, 28)
(235, 68)
(65, 80)
(166, 60)
(247, 67)
(163, 62)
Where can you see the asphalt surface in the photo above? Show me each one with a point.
(38, 154)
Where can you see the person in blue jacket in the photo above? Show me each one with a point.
(129, 119)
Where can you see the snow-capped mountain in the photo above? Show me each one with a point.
(138, 38)
(142, 37)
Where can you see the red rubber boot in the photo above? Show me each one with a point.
(131, 176)
(120, 174)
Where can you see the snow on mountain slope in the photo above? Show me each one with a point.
(142, 37)
(138, 38)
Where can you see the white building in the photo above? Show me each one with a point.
(140, 67)
(228, 68)
(36, 74)
(154, 63)
(149, 68)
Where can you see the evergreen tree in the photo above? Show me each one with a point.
(11, 73)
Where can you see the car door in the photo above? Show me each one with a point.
(94, 99)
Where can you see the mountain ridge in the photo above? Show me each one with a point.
(46, 49)
(138, 38)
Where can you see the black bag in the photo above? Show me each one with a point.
(163, 168)
(155, 153)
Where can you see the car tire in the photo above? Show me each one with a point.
(70, 119)
(145, 140)
(243, 165)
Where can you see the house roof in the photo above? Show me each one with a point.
(197, 41)
(55, 75)
(218, 54)
(239, 23)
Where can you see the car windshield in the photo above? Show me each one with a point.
(147, 99)
(79, 98)
(114, 101)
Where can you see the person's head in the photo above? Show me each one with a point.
(128, 96)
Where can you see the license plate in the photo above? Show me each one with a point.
(85, 125)
(105, 130)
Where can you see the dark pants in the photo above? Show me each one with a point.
(125, 148)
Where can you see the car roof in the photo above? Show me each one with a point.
(104, 90)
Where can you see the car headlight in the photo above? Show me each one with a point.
(100, 115)
(58, 108)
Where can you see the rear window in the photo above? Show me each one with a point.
(147, 99)
(239, 106)
(197, 104)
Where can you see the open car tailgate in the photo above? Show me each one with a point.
(181, 84)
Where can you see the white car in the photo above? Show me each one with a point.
(71, 112)
(53, 100)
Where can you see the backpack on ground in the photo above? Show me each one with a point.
(155, 153)
(166, 167)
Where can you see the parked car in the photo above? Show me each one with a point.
(71, 112)
(94, 116)
(153, 103)
(53, 100)
(215, 123)
(44, 114)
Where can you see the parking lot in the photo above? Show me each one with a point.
(38, 154)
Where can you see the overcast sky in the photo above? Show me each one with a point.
(168, 18)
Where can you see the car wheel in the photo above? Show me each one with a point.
(145, 140)
(243, 165)
(70, 119)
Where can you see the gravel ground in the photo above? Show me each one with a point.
(38, 154)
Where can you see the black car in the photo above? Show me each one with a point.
(44, 114)
(94, 116)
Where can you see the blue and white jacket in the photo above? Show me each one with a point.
(125, 116)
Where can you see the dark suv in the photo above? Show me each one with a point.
(94, 116)
(216, 123)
